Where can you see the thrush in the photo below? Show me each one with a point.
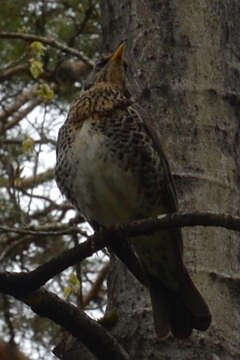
(111, 166)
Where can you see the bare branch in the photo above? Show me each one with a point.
(30, 182)
(18, 117)
(34, 279)
(34, 234)
(26, 282)
(147, 226)
(181, 219)
(23, 285)
(21, 100)
(43, 140)
(48, 41)
(99, 341)
(53, 230)
(93, 293)
(8, 73)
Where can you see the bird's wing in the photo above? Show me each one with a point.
(170, 189)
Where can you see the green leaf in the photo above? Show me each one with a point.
(37, 48)
(73, 280)
(45, 92)
(36, 68)
(67, 291)
(28, 145)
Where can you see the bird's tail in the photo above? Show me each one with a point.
(178, 312)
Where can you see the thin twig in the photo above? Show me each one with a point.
(20, 115)
(48, 41)
(93, 293)
(36, 162)
(28, 183)
(20, 101)
(8, 73)
(52, 232)
(148, 226)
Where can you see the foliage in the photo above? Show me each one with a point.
(38, 80)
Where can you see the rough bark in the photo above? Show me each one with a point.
(183, 68)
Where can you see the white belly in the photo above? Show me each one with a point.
(105, 192)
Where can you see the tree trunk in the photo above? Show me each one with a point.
(183, 69)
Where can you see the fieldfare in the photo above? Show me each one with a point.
(110, 165)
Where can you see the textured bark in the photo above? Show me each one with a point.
(183, 68)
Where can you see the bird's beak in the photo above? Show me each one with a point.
(119, 53)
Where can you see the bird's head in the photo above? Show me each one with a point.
(110, 70)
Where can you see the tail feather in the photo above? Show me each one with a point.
(160, 313)
(194, 302)
(180, 318)
(180, 312)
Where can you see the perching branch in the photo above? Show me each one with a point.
(182, 219)
(48, 41)
(146, 226)
(23, 286)
(26, 282)
(21, 283)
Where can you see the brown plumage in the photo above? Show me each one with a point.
(110, 165)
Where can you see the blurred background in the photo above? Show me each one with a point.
(39, 79)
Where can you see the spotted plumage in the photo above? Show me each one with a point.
(111, 167)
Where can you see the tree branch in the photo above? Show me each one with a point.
(20, 101)
(48, 41)
(93, 293)
(47, 230)
(24, 286)
(29, 183)
(7, 73)
(100, 342)
(21, 114)
(181, 219)
(21, 283)
(26, 282)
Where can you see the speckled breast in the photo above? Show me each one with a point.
(95, 179)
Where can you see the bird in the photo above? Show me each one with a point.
(111, 166)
